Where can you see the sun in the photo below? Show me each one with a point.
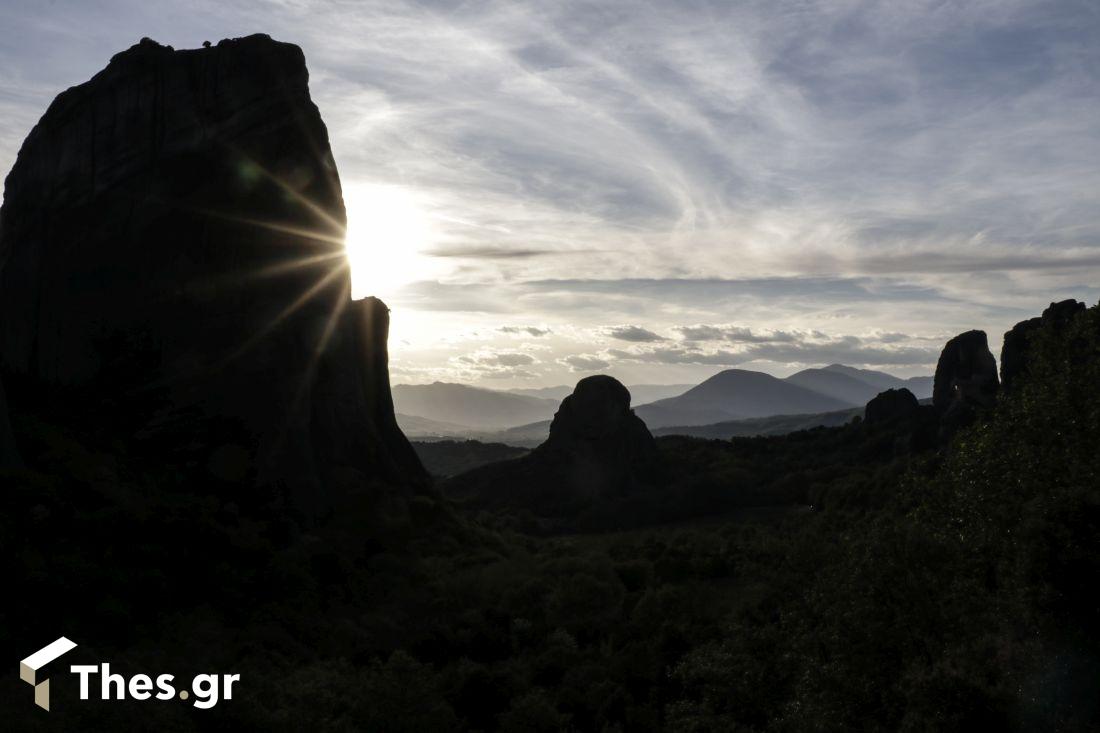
(389, 231)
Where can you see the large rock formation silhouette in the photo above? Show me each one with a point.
(9, 455)
(598, 449)
(1016, 350)
(966, 372)
(176, 224)
(965, 379)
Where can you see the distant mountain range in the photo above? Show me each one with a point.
(773, 425)
(422, 427)
(857, 385)
(522, 416)
(736, 394)
(443, 409)
(739, 394)
(473, 408)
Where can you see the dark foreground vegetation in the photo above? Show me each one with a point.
(450, 457)
(945, 583)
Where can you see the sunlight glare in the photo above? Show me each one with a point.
(389, 228)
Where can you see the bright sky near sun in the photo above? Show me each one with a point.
(658, 190)
(389, 230)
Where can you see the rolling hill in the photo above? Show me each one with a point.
(737, 394)
(414, 426)
(921, 387)
(837, 385)
(547, 393)
(774, 425)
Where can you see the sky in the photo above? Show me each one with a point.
(662, 190)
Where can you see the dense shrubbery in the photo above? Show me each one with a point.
(924, 590)
(449, 457)
(968, 599)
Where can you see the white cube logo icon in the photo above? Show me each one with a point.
(29, 669)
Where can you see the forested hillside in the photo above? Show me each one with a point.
(883, 576)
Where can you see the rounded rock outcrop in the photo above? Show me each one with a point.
(598, 412)
(966, 373)
(890, 406)
(597, 449)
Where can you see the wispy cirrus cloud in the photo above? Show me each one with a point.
(528, 330)
(836, 167)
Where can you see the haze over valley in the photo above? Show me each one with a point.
(522, 416)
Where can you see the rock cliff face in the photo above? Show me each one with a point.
(966, 373)
(597, 433)
(182, 210)
(597, 449)
(9, 456)
(1016, 349)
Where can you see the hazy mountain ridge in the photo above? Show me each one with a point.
(557, 392)
(772, 425)
(921, 387)
(857, 385)
(737, 394)
(640, 394)
(460, 404)
(445, 409)
(834, 384)
(732, 402)
(414, 425)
